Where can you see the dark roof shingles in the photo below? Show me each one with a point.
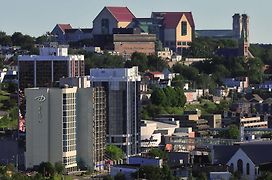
(171, 19)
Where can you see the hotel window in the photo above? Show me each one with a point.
(183, 28)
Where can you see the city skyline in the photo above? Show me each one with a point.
(36, 18)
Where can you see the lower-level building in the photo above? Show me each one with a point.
(253, 122)
(65, 125)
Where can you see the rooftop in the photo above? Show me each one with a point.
(121, 13)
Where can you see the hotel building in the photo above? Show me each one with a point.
(66, 125)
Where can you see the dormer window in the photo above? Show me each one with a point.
(183, 28)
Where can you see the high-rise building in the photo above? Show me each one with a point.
(122, 94)
(91, 121)
(51, 127)
(45, 70)
(66, 125)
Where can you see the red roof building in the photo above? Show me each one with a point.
(64, 27)
(110, 18)
(59, 32)
(172, 19)
(177, 29)
(121, 14)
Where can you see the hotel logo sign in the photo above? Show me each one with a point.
(40, 99)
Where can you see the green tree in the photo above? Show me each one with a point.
(5, 40)
(59, 167)
(266, 175)
(166, 173)
(138, 59)
(158, 97)
(10, 167)
(156, 152)
(114, 152)
(38, 176)
(178, 81)
(219, 72)
(153, 172)
(108, 177)
(25, 41)
(43, 39)
(46, 169)
(171, 96)
(158, 45)
(119, 176)
(188, 72)
(232, 132)
(1, 62)
(156, 63)
(180, 96)
(149, 172)
(255, 72)
(93, 60)
(204, 81)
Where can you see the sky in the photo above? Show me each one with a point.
(36, 17)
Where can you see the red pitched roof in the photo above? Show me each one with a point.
(171, 19)
(121, 13)
(63, 27)
(155, 73)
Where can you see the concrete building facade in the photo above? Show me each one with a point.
(45, 70)
(66, 125)
(122, 94)
(51, 127)
(126, 44)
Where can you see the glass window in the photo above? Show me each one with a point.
(183, 28)
(240, 166)
(105, 26)
(247, 168)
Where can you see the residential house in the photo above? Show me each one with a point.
(74, 35)
(155, 75)
(239, 84)
(165, 54)
(193, 95)
(241, 106)
(265, 107)
(59, 32)
(221, 92)
(168, 74)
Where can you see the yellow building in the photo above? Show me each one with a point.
(177, 29)
(110, 18)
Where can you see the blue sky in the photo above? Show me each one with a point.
(35, 17)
